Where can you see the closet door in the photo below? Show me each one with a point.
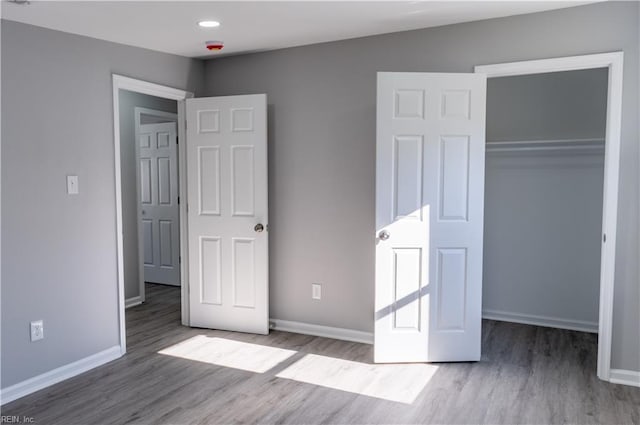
(429, 216)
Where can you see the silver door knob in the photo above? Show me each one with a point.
(384, 235)
(258, 227)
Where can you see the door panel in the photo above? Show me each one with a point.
(406, 284)
(451, 287)
(147, 236)
(209, 288)
(145, 180)
(209, 180)
(244, 279)
(159, 210)
(407, 177)
(164, 181)
(454, 178)
(227, 188)
(242, 181)
(166, 243)
(429, 216)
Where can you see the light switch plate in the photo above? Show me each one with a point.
(72, 185)
(316, 291)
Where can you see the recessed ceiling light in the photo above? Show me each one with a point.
(209, 24)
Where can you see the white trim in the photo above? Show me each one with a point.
(139, 86)
(546, 321)
(145, 87)
(614, 62)
(170, 116)
(184, 202)
(541, 66)
(624, 377)
(133, 301)
(59, 374)
(138, 111)
(323, 331)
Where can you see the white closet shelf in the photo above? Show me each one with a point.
(594, 145)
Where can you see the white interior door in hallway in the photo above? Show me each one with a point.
(429, 216)
(228, 216)
(159, 212)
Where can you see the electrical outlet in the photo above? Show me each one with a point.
(37, 330)
(316, 291)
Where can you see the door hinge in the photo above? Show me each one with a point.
(604, 237)
(178, 200)
(177, 140)
(185, 125)
(179, 259)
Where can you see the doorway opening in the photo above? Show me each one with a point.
(158, 198)
(600, 154)
(150, 220)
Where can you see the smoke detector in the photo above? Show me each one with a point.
(214, 46)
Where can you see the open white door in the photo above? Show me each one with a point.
(429, 216)
(159, 213)
(227, 213)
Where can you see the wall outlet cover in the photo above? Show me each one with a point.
(37, 330)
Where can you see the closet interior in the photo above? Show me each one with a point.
(543, 198)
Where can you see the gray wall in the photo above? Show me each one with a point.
(128, 102)
(556, 105)
(59, 251)
(322, 149)
(543, 209)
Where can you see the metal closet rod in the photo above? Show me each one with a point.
(545, 145)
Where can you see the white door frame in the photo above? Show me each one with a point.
(614, 62)
(138, 111)
(152, 89)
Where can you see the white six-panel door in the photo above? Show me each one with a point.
(227, 213)
(429, 216)
(159, 211)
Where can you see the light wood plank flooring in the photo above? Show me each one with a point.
(527, 374)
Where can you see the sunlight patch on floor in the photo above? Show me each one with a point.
(394, 382)
(229, 353)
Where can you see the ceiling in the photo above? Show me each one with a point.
(249, 26)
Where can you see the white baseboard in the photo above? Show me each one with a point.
(550, 322)
(625, 377)
(133, 301)
(54, 376)
(323, 331)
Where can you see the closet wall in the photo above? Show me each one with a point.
(543, 199)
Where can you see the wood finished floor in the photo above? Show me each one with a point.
(527, 374)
